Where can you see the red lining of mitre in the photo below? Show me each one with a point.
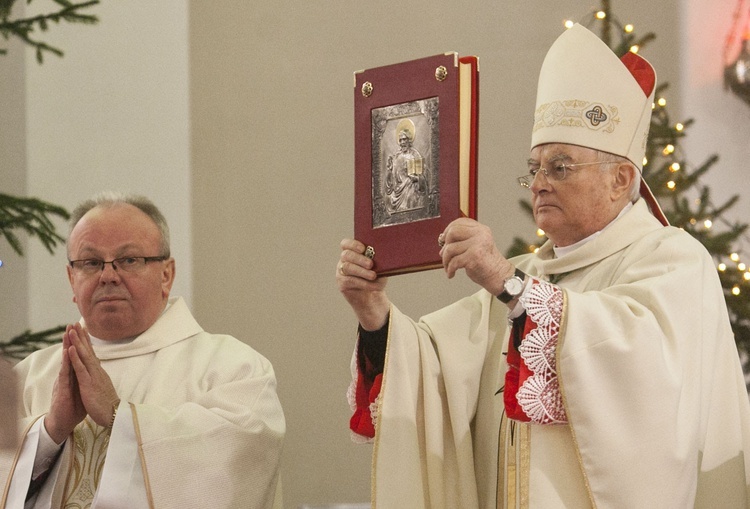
(641, 70)
(645, 76)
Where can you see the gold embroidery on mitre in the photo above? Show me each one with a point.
(577, 113)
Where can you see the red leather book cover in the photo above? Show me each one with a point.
(407, 147)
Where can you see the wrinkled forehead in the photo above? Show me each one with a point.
(560, 151)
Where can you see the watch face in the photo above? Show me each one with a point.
(514, 285)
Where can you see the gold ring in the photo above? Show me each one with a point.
(341, 269)
(441, 240)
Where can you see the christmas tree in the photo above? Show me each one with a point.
(677, 185)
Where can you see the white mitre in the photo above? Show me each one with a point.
(587, 96)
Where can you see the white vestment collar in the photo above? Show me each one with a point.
(562, 251)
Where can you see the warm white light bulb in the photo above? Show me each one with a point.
(629, 28)
(708, 224)
(601, 15)
(569, 23)
(734, 257)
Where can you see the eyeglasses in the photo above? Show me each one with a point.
(558, 172)
(90, 266)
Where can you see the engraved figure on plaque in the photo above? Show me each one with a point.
(405, 174)
(405, 167)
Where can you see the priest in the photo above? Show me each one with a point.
(139, 407)
(600, 371)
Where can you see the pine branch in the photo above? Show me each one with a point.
(32, 216)
(28, 342)
(22, 28)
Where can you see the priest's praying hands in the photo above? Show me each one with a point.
(82, 387)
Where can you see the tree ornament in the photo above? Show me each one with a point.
(737, 72)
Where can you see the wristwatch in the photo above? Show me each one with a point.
(512, 287)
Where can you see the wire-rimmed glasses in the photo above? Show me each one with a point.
(558, 172)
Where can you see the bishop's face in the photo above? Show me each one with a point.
(117, 304)
(581, 204)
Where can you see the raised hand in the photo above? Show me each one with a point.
(361, 286)
(469, 245)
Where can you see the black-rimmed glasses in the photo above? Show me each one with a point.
(90, 266)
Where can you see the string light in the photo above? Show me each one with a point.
(735, 290)
(708, 224)
(746, 275)
(671, 185)
(540, 233)
(662, 102)
(734, 257)
(693, 221)
(601, 15)
(645, 161)
(629, 28)
(742, 267)
(679, 127)
(668, 149)
(569, 23)
(722, 267)
(634, 48)
(674, 167)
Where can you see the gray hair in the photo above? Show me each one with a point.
(110, 199)
(635, 189)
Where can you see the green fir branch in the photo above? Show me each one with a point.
(28, 342)
(32, 216)
(23, 28)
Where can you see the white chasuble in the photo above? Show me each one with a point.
(648, 374)
(199, 424)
